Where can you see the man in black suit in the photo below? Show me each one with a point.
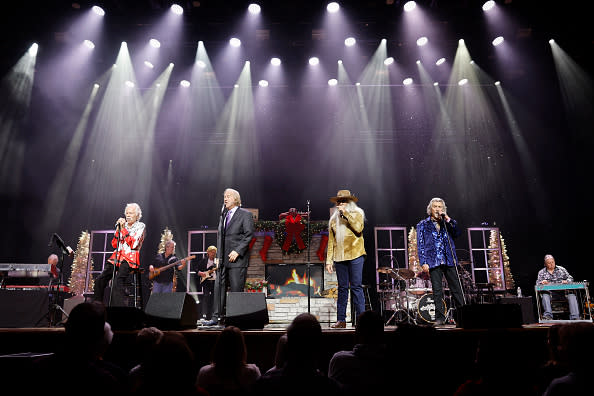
(236, 229)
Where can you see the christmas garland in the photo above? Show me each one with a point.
(280, 233)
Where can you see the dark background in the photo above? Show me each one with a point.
(540, 210)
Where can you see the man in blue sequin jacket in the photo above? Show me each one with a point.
(437, 255)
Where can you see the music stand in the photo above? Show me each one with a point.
(54, 308)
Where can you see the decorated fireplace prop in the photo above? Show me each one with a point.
(290, 280)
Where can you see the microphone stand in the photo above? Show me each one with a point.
(308, 260)
(117, 260)
(445, 224)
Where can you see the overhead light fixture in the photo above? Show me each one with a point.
(235, 42)
(350, 41)
(333, 7)
(177, 9)
(409, 6)
(98, 10)
(254, 9)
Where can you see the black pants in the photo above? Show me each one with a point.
(451, 276)
(118, 286)
(207, 299)
(235, 277)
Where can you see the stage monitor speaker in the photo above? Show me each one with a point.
(488, 316)
(526, 307)
(126, 318)
(246, 310)
(171, 311)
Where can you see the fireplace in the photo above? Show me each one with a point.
(290, 280)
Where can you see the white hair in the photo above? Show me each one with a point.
(436, 199)
(235, 195)
(548, 256)
(136, 208)
(340, 223)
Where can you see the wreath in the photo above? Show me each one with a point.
(280, 233)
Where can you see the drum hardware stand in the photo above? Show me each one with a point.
(399, 308)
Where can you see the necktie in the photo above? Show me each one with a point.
(227, 219)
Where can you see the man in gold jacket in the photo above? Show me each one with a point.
(346, 253)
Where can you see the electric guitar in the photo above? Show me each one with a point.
(156, 271)
(209, 272)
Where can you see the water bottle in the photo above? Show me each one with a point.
(519, 292)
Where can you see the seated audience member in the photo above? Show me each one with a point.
(364, 368)
(576, 352)
(228, 373)
(280, 356)
(169, 369)
(300, 374)
(146, 340)
(87, 339)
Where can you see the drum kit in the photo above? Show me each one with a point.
(409, 296)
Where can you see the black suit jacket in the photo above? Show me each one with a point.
(237, 236)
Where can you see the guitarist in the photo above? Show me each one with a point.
(163, 282)
(206, 275)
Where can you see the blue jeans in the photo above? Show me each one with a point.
(162, 287)
(349, 273)
(574, 311)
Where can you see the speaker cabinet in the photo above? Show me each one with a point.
(526, 307)
(489, 316)
(125, 318)
(171, 311)
(246, 310)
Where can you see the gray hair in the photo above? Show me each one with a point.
(235, 195)
(170, 242)
(136, 208)
(445, 208)
(548, 256)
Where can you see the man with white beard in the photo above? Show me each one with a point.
(346, 253)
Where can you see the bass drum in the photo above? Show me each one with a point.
(426, 308)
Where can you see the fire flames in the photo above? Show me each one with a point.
(297, 286)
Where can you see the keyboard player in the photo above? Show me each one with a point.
(552, 273)
(34, 277)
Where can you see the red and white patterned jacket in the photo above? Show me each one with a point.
(129, 249)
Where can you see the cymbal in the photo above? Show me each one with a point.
(406, 273)
(464, 262)
(385, 284)
(384, 270)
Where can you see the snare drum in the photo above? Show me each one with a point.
(419, 287)
(426, 308)
(395, 301)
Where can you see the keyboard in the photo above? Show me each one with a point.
(562, 286)
(24, 267)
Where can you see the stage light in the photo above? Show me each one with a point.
(340, 61)
(461, 42)
(275, 62)
(263, 83)
(551, 41)
(497, 41)
(184, 83)
(418, 62)
(177, 9)
(98, 10)
(332, 82)
(254, 9)
(333, 7)
(129, 84)
(421, 41)
(33, 49)
(96, 85)
(409, 6)
(464, 81)
(349, 42)
(148, 64)
(235, 42)
(201, 64)
(155, 43)
(357, 83)
(314, 61)
(236, 86)
(498, 83)
(435, 84)
(388, 61)
(89, 44)
(407, 81)
(488, 5)
(440, 61)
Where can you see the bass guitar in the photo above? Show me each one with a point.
(156, 271)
